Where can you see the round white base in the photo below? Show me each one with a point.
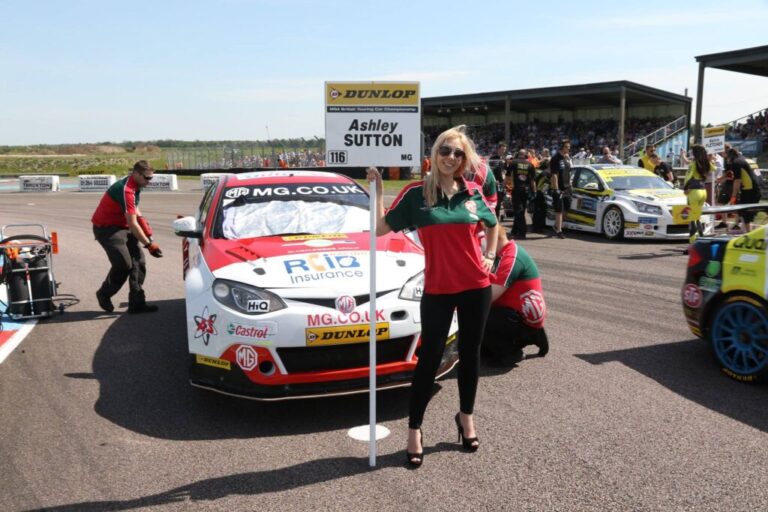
(363, 432)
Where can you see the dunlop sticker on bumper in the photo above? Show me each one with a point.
(213, 361)
(318, 336)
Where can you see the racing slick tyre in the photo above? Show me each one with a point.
(739, 337)
(613, 223)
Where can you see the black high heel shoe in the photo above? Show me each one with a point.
(467, 442)
(416, 459)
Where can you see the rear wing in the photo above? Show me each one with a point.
(736, 208)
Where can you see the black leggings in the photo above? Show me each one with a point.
(436, 314)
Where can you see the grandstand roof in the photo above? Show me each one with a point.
(753, 61)
(567, 97)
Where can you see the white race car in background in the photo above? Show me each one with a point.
(626, 202)
(277, 277)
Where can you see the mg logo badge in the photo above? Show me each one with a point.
(234, 193)
(533, 306)
(246, 357)
(346, 304)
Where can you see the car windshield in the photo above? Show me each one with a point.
(633, 182)
(285, 209)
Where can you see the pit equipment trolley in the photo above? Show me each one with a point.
(27, 271)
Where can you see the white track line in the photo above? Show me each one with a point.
(15, 340)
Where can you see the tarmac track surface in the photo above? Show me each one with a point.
(627, 412)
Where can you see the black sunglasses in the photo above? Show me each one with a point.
(148, 178)
(447, 150)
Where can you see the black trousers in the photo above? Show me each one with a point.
(519, 205)
(539, 212)
(505, 334)
(127, 260)
(746, 197)
(436, 315)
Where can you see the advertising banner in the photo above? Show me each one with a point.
(372, 123)
(163, 182)
(39, 184)
(98, 182)
(209, 178)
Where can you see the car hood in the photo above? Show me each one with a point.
(660, 196)
(316, 265)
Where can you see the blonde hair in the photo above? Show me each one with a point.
(470, 163)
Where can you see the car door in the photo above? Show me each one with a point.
(587, 191)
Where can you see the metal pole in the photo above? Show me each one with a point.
(699, 102)
(622, 120)
(372, 340)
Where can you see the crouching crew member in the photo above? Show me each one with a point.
(119, 227)
(518, 310)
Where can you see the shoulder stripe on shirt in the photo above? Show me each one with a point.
(407, 189)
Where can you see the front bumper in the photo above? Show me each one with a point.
(234, 381)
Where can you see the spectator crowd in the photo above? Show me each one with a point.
(591, 136)
(753, 127)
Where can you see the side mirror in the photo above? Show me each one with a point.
(592, 186)
(187, 227)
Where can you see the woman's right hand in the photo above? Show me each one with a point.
(373, 174)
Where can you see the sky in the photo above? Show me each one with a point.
(96, 71)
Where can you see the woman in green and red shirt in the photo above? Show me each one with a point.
(445, 208)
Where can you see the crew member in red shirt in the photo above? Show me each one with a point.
(119, 227)
(446, 208)
(518, 309)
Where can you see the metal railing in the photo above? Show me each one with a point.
(634, 149)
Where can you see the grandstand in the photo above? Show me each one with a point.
(619, 114)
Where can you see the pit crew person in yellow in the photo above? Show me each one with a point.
(446, 208)
(745, 183)
(645, 160)
(693, 186)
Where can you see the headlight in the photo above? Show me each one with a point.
(647, 208)
(414, 288)
(246, 299)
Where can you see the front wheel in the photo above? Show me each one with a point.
(739, 337)
(613, 223)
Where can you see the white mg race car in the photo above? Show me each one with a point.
(626, 202)
(277, 277)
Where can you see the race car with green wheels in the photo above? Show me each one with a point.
(725, 295)
(625, 202)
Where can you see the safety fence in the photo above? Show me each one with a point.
(248, 157)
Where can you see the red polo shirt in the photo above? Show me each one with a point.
(454, 262)
(121, 198)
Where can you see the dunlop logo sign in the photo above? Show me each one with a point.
(338, 94)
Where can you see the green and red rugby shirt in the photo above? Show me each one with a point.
(515, 270)
(121, 198)
(454, 262)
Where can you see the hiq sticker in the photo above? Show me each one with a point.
(258, 306)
